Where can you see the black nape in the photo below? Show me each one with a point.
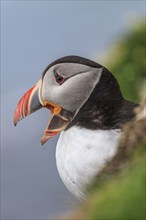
(105, 108)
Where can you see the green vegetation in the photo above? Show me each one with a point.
(122, 195)
(127, 61)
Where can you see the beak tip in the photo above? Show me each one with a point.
(44, 139)
(14, 122)
(42, 143)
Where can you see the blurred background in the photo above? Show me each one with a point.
(33, 34)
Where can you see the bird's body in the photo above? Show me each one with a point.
(88, 107)
(81, 153)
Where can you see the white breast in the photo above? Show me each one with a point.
(82, 153)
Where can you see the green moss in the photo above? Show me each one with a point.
(122, 197)
(127, 62)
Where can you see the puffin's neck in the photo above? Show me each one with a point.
(105, 108)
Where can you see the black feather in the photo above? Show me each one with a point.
(105, 108)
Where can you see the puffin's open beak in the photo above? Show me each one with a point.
(32, 101)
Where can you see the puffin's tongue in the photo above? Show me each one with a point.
(55, 125)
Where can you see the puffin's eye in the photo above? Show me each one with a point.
(59, 79)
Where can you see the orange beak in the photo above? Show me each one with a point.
(31, 101)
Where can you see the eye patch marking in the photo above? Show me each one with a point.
(59, 79)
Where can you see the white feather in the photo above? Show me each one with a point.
(82, 153)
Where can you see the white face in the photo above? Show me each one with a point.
(79, 82)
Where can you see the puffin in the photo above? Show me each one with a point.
(87, 109)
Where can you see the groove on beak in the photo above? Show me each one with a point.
(29, 103)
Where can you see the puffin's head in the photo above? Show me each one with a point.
(64, 87)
